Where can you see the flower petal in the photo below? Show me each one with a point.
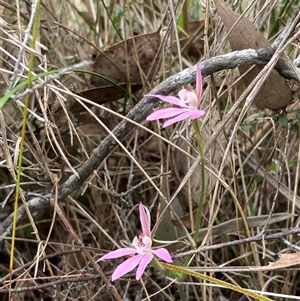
(145, 220)
(135, 242)
(147, 242)
(118, 253)
(170, 99)
(143, 264)
(125, 267)
(197, 113)
(199, 83)
(182, 116)
(188, 98)
(163, 254)
(166, 113)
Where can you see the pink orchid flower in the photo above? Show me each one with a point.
(141, 247)
(188, 102)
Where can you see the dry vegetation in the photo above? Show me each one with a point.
(81, 183)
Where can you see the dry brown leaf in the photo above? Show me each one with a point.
(285, 261)
(102, 95)
(97, 95)
(137, 53)
(275, 93)
(89, 126)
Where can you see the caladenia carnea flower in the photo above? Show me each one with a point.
(142, 251)
(188, 102)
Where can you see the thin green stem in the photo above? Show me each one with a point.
(25, 112)
(111, 20)
(202, 192)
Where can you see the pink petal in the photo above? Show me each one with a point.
(127, 266)
(143, 264)
(183, 94)
(147, 241)
(197, 113)
(166, 113)
(188, 98)
(163, 254)
(182, 116)
(199, 83)
(118, 253)
(170, 99)
(135, 241)
(145, 220)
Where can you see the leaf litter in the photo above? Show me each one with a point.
(243, 34)
(119, 184)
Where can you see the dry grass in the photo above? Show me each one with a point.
(56, 248)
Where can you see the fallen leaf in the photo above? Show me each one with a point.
(275, 93)
(285, 261)
(129, 60)
(138, 53)
(102, 95)
(87, 125)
